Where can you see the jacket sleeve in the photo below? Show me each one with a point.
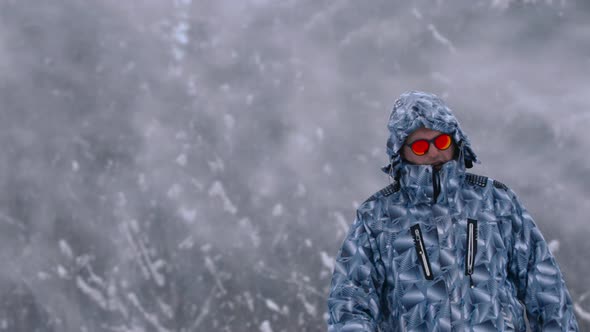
(539, 281)
(355, 292)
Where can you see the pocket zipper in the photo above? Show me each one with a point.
(471, 249)
(421, 251)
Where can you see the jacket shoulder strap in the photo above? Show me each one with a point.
(500, 185)
(482, 181)
(390, 189)
(478, 180)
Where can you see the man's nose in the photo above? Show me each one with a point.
(434, 151)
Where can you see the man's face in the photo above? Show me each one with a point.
(434, 156)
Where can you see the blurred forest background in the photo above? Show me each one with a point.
(194, 165)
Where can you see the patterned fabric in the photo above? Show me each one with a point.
(466, 257)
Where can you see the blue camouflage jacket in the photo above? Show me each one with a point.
(444, 250)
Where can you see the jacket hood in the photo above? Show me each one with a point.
(417, 109)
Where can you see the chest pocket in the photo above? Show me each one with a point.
(421, 251)
(470, 249)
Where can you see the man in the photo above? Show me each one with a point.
(441, 249)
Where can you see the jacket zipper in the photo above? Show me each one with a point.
(471, 249)
(421, 251)
(435, 185)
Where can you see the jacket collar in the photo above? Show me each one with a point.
(419, 182)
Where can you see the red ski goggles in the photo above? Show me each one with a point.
(420, 147)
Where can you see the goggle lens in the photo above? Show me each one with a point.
(420, 147)
(442, 142)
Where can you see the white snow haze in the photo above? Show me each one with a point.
(194, 165)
